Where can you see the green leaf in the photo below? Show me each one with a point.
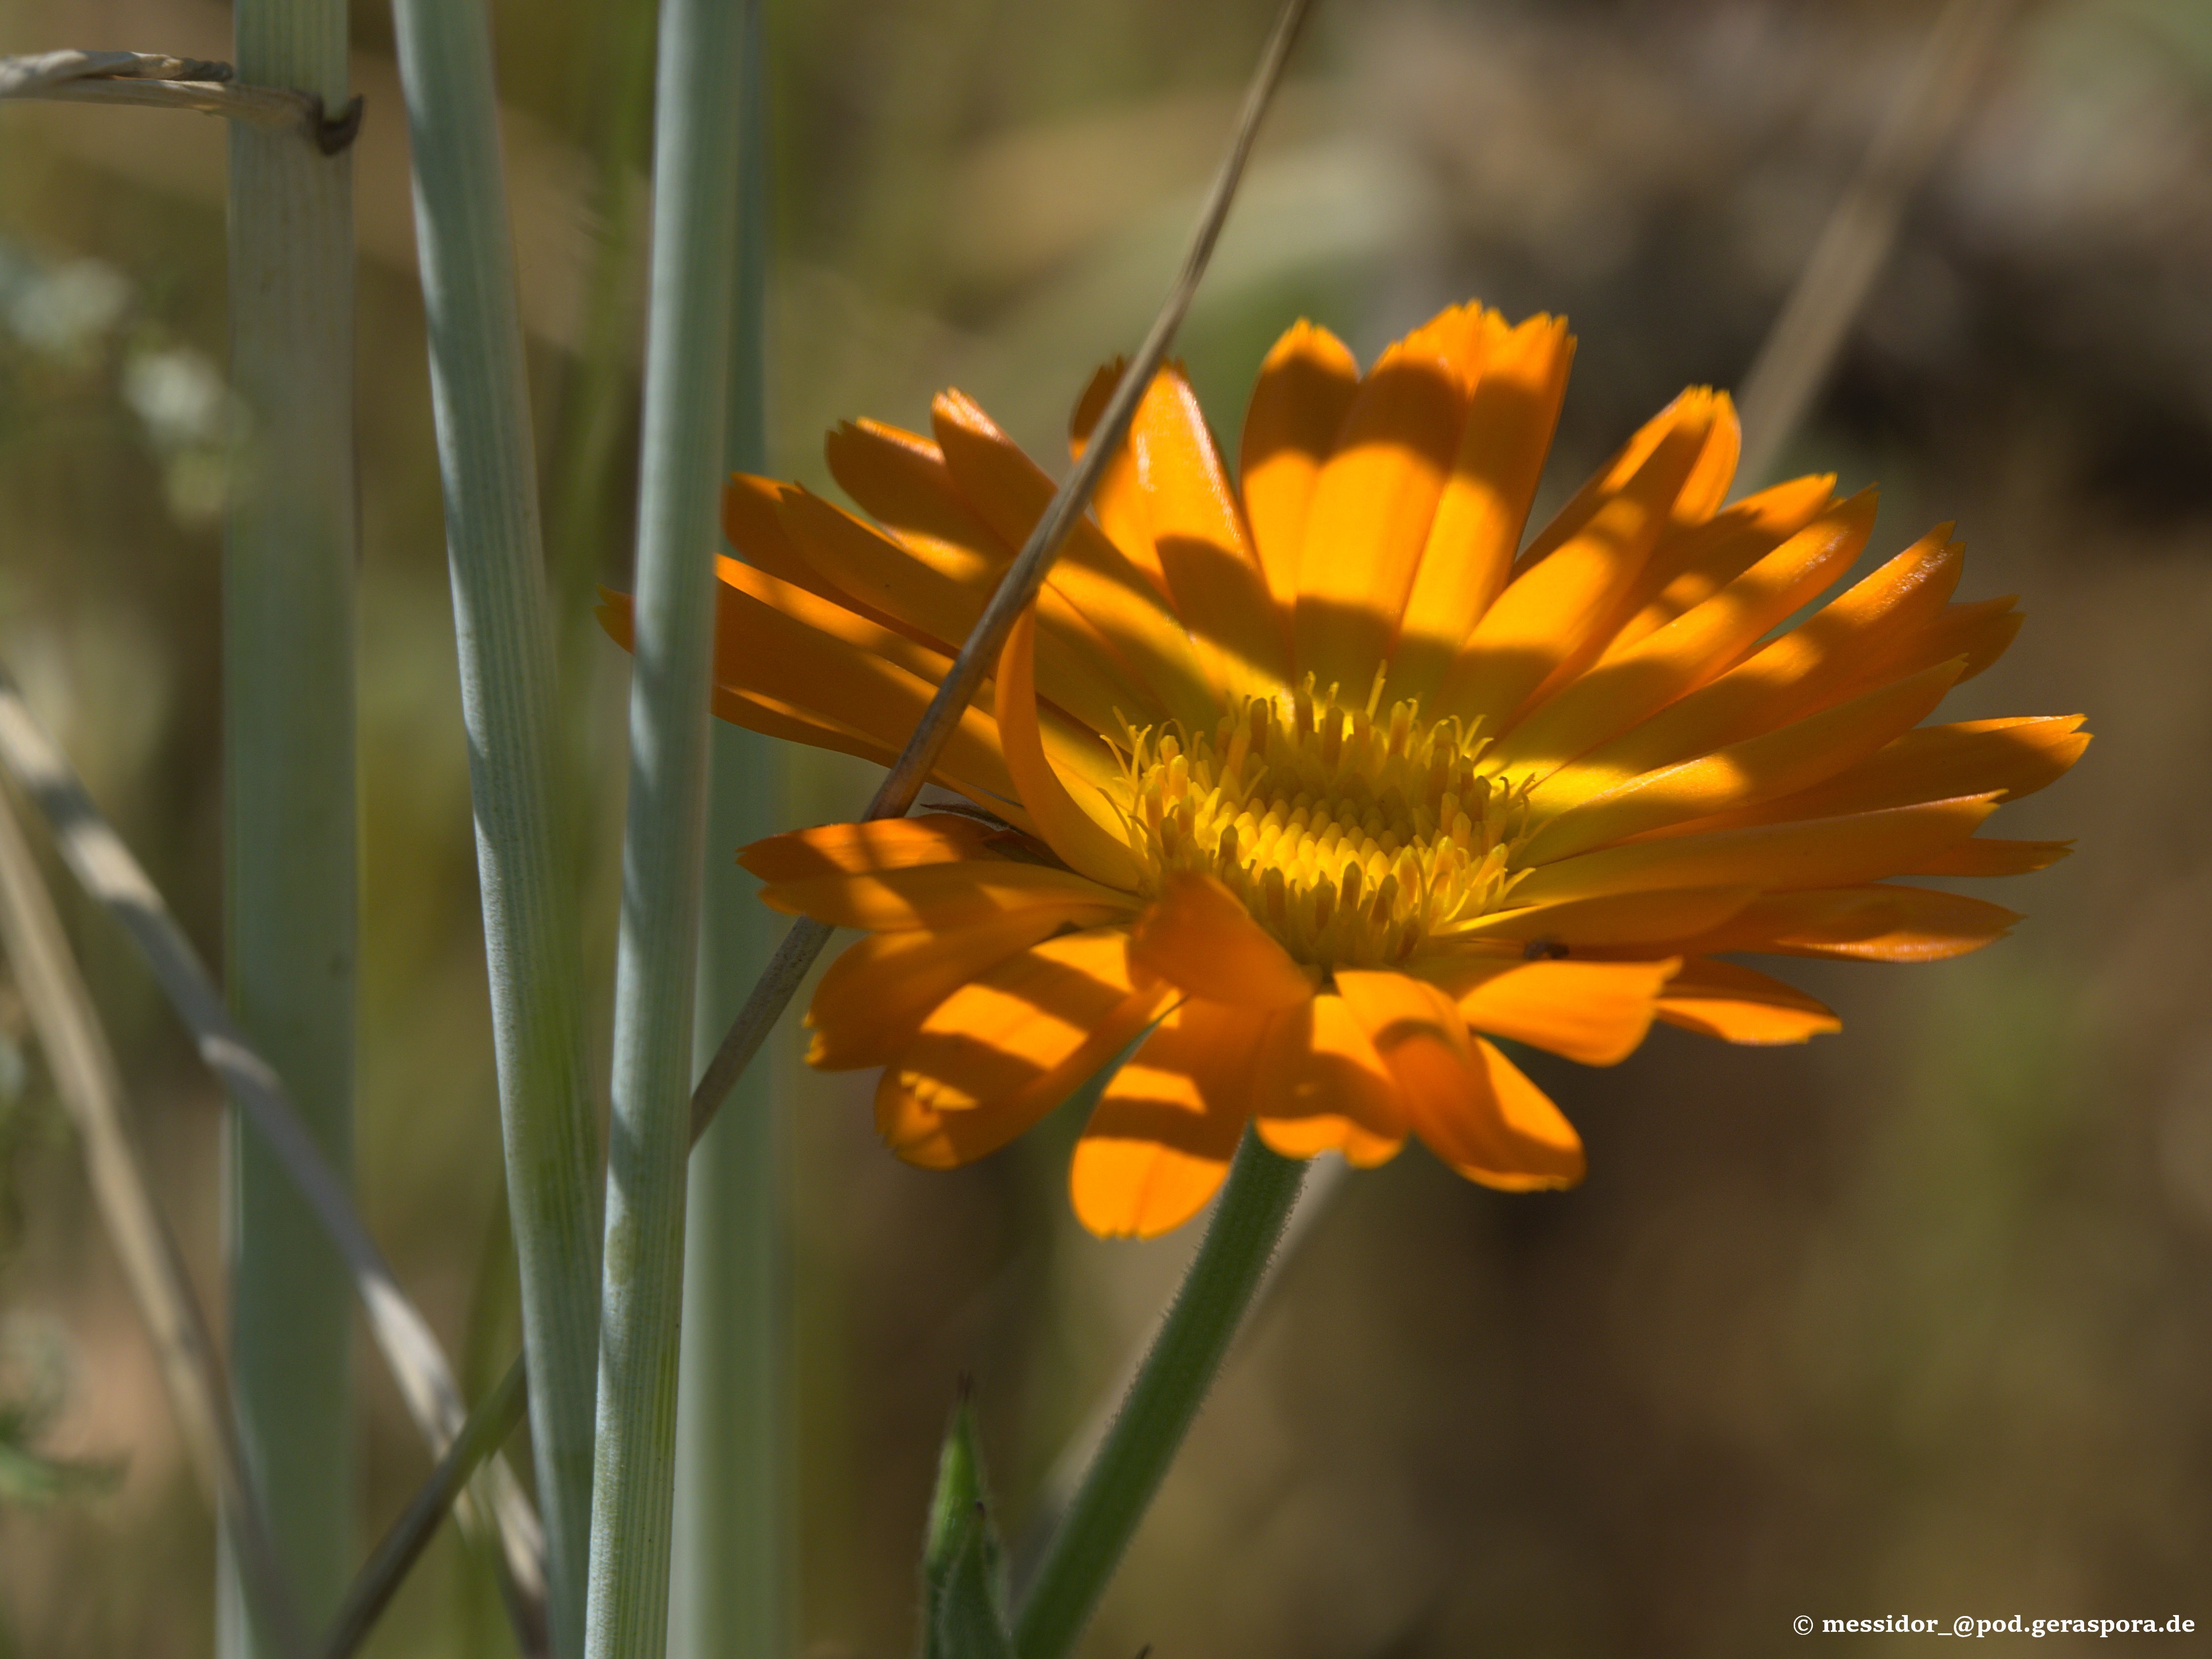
(963, 1593)
(971, 1620)
(951, 1505)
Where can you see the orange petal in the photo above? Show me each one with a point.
(1596, 1012)
(1677, 799)
(871, 1003)
(900, 480)
(1468, 1103)
(1695, 647)
(940, 591)
(933, 584)
(1008, 1047)
(2007, 758)
(875, 844)
(938, 895)
(772, 718)
(1873, 923)
(1076, 828)
(1707, 486)
(1485, 504)
(1817, 664)
(1211, 569)
(1981, 856)
(1817, 853)
(1030, 1028)
(788, 645)
(737, 582)
(1544, 1150)
(1298, 404)
(794, 722)
(752, 524)
(1545, 616)
(1117, 498)
(1981, 633)
(1370, 512)
(1741, 1005)
(930, 1139)
(1698, 404)
(1009, 492)
(1618, 919)
(1160, 1142)
(1461, 336)
(1690, 565)
(1198, 935)
(1319, 1086)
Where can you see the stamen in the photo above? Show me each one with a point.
(1352, 839)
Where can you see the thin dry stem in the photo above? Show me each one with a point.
(1794, 361)
(494, 1419)
(160, 82)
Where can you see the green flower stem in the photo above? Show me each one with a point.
(730, 1577)
(289, 870)
(1118, 1486)
(496, 548)
(695, 218)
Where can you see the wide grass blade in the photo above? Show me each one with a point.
(290, 873)
(496, 551)
(730, 1570)
(695, 214)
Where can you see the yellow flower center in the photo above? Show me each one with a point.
(1354, 840)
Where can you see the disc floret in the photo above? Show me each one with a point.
(1353, 839)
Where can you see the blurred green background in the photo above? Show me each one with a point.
(1916, 1319)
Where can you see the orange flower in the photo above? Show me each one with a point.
(1318, 781)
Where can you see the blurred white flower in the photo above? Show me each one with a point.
(63, 308)
(179, 393)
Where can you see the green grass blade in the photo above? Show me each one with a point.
(290, 868)
(730, 1594)
(687, 369)
(507, 695)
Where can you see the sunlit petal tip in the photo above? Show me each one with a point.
(1597, 1013)
(1736, 1004)
(1159, 1144)
(1319, 1086)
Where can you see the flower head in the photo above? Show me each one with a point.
(1312, 781)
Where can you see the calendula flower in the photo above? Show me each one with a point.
(1315, 780)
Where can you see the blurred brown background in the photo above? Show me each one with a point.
(1917, 1319)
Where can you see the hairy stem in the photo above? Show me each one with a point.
(1185, 1356)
